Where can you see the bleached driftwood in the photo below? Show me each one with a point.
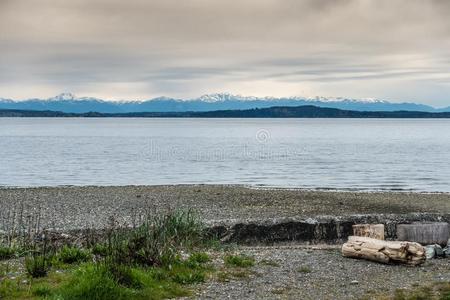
(424, 233)
(384, 251)
(375, 231)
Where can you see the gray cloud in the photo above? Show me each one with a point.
(395, 49)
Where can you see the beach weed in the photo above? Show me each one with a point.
(241, 261)
(71, 255)
(37, 265)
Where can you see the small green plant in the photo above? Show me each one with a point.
(92, 282)
(199, 257)
(241, 261)
(100, 249)
(37, 266)
(71, 255)
(189, 276)
(304, 269)
(10, 289)
(125, 275)
(6, 252)
(269, 262)
(157, 241)
(41, 290)
(227, 275)
(100, 282)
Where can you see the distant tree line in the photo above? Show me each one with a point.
(306, 111)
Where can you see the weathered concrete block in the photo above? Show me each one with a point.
(424, 233)
(375, 231)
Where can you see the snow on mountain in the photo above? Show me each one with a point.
(221, 97)
(63, 97)
(71, 97)
(67, 102)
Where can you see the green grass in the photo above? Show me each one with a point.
(241, 261)
(42, 290)
(158, 240)
(100, 249)
(92, 282)
(227, 275)
(72, 255)
(304, 269)
(434, 291)
(142, 263)
(199, 257)
(269, 262)
(6, 252)
(101, 281)
(37, 266)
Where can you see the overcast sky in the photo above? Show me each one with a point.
(397, 50)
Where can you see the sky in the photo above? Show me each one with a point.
(396, 50)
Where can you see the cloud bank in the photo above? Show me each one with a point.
(391, 49)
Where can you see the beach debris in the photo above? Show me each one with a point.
(430, 252)
(428, 233)
(439, 251)
(447, 251)
(435, 251)
(402, 252)
(375, 231)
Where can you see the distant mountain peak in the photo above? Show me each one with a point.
(63, 97)
(217, 97)
(68, 102)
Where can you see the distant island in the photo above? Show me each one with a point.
(304, 111)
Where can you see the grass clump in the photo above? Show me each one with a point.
(139, 263)
(190, 271)
(10, 289)
(100, 250)
(227, 275)
(41, 290)
(434, 291)
(37, 266)
(269, 262)
(100, 282)
(157, 241)
(241, 261)
(142, 263)
(7, 253)
(199, 257)
(71, 255)
(304, 269)
(92, 282)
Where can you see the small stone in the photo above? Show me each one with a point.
(439, 251)
(354, 282)
(430, 251)
(447, 251)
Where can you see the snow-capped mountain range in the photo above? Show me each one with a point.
(67, 102)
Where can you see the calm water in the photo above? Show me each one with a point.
(362, 154)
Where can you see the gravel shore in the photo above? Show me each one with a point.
(296, 272)
(80, 207)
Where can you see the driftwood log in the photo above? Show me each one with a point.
(384, 251)
(424, 233)
(375, 231)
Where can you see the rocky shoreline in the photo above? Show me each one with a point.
(236, 214)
